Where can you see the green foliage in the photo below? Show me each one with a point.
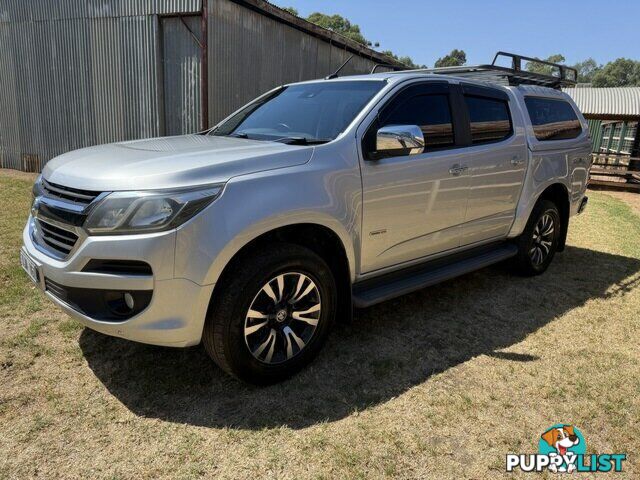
(622, 72)
(291, 10)
(408, 61)
(338, 24)
(454, 59)
(543, 69)
(586, 70)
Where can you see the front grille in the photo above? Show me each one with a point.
(59, 213)
(75, 195)
(60, 240)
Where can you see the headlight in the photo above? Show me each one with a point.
(35, 190)
(121, 213)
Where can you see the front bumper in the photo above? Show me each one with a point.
(176, 313)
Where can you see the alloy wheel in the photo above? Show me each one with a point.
(282, 318)
(543, 236)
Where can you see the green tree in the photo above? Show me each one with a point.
(586, 70)
(543, 69)
(408, 61)
(291, 10)
(343, 26)
(338, 24)
(454, 59)
(622, 72)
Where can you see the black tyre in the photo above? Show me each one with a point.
(538, 243)
(272, 314)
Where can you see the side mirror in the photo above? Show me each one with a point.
(397, 140)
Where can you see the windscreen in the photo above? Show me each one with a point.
(310, 113)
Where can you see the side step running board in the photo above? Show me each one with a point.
(395, 284)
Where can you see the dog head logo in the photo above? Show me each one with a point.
(565, 442)
(561, 438)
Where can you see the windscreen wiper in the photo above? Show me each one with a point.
(302, 140)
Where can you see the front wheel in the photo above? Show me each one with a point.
(272, 314)
(538, 243)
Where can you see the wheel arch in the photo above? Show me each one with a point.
(320, 239)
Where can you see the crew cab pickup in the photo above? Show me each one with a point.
(317, 197)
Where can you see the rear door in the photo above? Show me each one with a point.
(414, 205)
(496, 159)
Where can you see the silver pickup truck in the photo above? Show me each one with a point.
(317, 197)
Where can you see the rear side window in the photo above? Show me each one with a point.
(552, 119)
(431, 113)
(489, 118)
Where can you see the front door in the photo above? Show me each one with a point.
(414, 205)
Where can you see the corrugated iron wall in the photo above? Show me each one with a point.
(182, 74)
(71, 83)
(47, 10)
(250, 53)
(75, 73)
(595, 129)
(78, 73)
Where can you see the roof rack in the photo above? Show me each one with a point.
(390, 66)
(559, 76)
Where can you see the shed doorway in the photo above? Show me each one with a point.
(182, 50)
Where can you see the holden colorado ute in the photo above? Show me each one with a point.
(315, 198)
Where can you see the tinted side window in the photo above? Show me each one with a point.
(490, 119)
(431, 113)
(552, 119)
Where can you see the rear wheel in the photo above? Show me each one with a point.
(272, 314)
(539, 242)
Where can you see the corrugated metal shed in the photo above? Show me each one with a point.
(250, 53)
(607, 103)
(76, 73)
(15, 11)
(71, 83)
(595, 129)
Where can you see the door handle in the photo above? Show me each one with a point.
(456, 169)
(516, 160)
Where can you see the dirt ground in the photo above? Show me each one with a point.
(442, 383)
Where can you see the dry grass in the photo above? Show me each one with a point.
(630, 198)
(439, 384)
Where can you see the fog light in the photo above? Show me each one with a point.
(120, 303)
(128, 299)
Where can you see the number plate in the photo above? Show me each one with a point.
(30, 267)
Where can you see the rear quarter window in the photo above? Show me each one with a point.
(552, 119)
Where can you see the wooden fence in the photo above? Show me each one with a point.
(616, 171)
